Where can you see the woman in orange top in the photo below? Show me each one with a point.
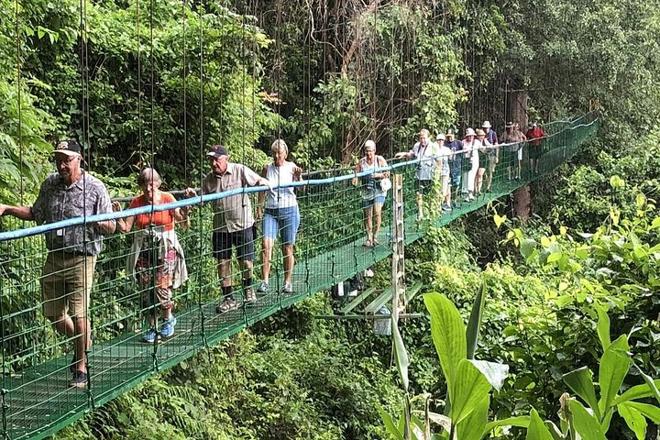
(155, 243)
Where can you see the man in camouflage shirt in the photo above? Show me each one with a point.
(68, 273)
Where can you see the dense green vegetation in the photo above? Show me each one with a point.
(165, 82)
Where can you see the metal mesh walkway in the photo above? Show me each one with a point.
(36, 400)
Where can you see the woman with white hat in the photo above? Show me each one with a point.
(471, 146)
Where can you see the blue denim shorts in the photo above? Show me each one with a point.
(370, 202)
(284, 220)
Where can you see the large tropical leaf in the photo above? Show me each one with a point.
(638, 392)
(614, 366)
(585, 424)
(634, 419)
(400, 354)
(537, 429)
(474, 425)
(448, 332)
(494, 372)
(470, 389)
(474, 323)
(581, 382)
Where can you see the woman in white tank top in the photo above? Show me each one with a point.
(373, 195)
(281, 215)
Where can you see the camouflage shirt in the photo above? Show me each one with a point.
(57, 201)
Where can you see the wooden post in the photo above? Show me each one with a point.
(398, 247)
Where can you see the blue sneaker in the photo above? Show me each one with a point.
(150, 336)
(167, 330)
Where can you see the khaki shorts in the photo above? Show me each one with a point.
(66, 284)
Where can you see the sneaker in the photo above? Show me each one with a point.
(227, 305)
(167, 329)
(287, 289)
(263, 287)
(79, 380)
(446, 208)
(150, 336)
(250, 296)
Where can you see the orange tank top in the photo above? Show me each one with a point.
(161, 218)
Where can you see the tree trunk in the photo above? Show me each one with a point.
(517, 112)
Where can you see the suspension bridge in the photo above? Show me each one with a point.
(36, 401)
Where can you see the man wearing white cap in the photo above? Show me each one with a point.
(427, 153)
(232, 222)
(69, 269)
(491, 136)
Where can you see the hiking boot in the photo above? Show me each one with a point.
(150, 336)
(167, 329)
(79, 380)
(250, 296)
(263, 287)
(227, 305)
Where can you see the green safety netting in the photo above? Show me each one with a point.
(36, 400)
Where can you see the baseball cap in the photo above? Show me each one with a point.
(69, 147)
(217, 151)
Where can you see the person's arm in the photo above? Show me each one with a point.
(358, 169)
(104, 206)
(21, 212)
(383, 163)
(123, 224)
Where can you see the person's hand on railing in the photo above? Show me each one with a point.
(116, 206)
(3, 208)
(189, 192)
(401, 155)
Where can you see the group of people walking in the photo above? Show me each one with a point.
(464, 168)
(156, 260)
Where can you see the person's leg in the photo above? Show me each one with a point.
(79, 286)
(479, 180)
(368, 221)
(378, 209)
(271, 227)
(266, 255)
(244, 242)
(289, 261)
(222, 247)
(290, 224)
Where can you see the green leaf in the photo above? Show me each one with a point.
(519, 421)
(499, 220)
(635, 421)
(603, 327)
(585, 424)
(537, 429)
(474, 323)
(390, 425)
(617, 182)
(614, 367)
(400, 354)
(649, 381)
(469, 390)
(527, 247)
(649, 411)
(581, 382)
(474, 425)
(494, 373)
(448, 333)
(638, 392)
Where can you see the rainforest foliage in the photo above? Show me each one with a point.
(156, 82)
